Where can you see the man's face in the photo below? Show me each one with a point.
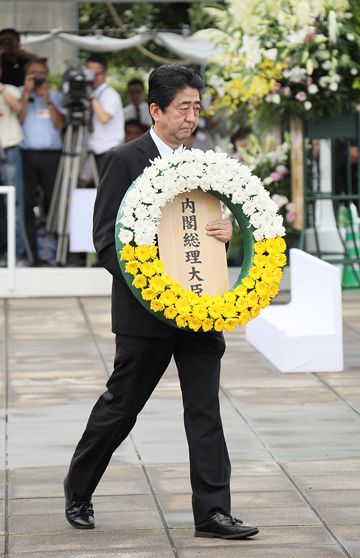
(38, 73)
(135, 94)
(132, 131)
(177, 122)
(99, 73)
(11, 45)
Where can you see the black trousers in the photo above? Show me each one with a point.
(139, 364)
(39, 168)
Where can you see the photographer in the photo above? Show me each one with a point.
(10, 166)
(42, 119)
(106, 112)
(13, 59)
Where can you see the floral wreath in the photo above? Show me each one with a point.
(260, 227)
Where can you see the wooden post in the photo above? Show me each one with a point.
(297, 170)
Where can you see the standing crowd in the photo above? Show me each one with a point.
(33, 121)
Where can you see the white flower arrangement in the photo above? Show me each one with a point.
(210, 171)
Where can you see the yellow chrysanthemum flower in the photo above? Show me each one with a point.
(229, 296)
(142, 253)
(147, 269)
(168, 298)
(259, 247)
(157, 283)
(261, 288)
(271, 246)
(139, 281)
(183, 306)
(215, 310)
(156, 306)
(229, 310)
(194, 324)
(244, 317)
(259, 260)
(219, 324)
(168, 281)
(217, 300)
(281, 259)
(252, 299)
(255, 272)
(200, 312)
(170, 312)
(205, 300)
(241, 304)
(268, 276)
(280, 244)
(182, 320)
(132, 267)
(277, 275)
(127, 253)
(248, 283)
(254, 311)
(264, 301)
(230, 324)
(153, 251)
(158, 266)
(148, 294)
(240, 291)
(207, 324)
(273, 290)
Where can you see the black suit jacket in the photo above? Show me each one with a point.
(122, 165)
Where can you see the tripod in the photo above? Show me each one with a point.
(66, 182)
(6, 175)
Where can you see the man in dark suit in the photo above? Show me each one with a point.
(145, 345)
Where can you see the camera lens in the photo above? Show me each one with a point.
(38, 80)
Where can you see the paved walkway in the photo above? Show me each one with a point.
(294, 441)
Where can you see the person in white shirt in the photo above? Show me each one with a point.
(137, 108)
(106, 112)
(10, 163)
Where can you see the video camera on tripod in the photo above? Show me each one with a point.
(76, 97)
(76, 87)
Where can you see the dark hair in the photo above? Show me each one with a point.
(165, 82)
(135, 81)
(136, 122)
(42, 61)
(98, 58)
(12, 31)
(241, 133)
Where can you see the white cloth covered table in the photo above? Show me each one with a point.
(306, 334)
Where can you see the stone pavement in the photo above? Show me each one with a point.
(294, 441)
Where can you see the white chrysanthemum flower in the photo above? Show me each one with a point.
(128, 221)
(125, 236)
(133, 198)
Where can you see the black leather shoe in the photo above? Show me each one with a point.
(224, 527)
(79, 513)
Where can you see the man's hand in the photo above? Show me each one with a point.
(29, 83)
(221, 229)
(43, 91)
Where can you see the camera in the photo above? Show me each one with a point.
(38, 81)
(5, 42)
(76, 87)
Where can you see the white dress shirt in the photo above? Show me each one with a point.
(143, 116)
(164, 149)
(109, 135)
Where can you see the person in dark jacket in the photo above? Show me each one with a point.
(145, 345)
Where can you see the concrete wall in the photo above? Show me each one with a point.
(43, 16)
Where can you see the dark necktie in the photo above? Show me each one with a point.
(137, 113)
